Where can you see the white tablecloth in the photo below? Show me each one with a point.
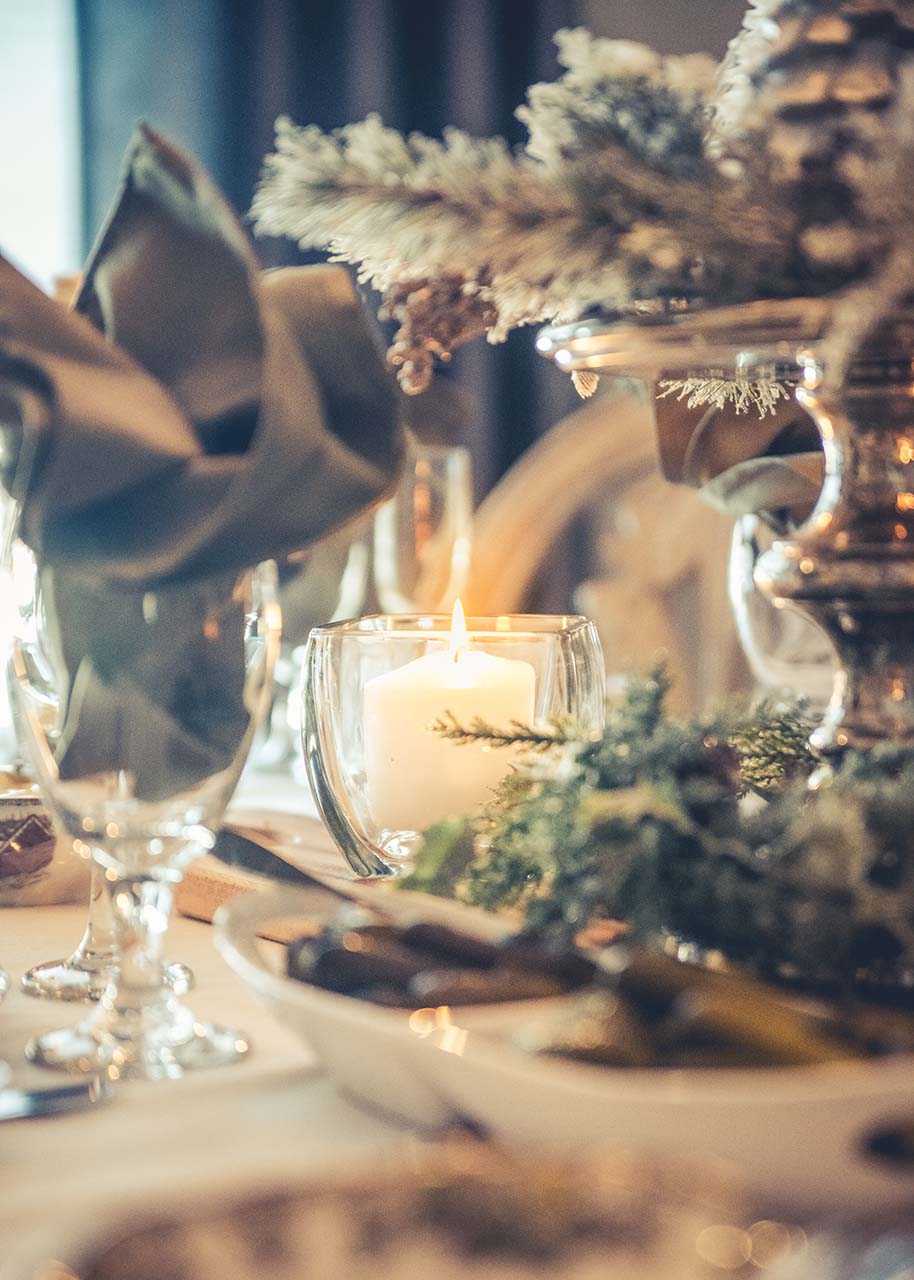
(260, 1123)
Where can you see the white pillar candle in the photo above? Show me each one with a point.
(414, 776)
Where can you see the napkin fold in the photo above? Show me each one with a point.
(190, 419)
(767, 474)
(782, 489)
(773, 467)
(195, 414)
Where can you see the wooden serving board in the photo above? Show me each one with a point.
(208, 884)
(303, 843)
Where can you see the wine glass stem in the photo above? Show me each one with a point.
(98, 947)
(140, 911)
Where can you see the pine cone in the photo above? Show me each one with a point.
(434, 316)
(809, 96)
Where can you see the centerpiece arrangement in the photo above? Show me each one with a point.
(724, 231)
(648, 185)
(729, 233)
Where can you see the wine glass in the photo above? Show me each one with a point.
(422, 535)
(327, 582)
(137, 707)
(84, 974)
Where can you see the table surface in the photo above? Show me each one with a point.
(261, 1123)
(273, 1121)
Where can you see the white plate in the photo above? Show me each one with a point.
(793, 1136)
(455, 1211)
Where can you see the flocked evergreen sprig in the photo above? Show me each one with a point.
(654, 824)
(645, 182)
(612, 202)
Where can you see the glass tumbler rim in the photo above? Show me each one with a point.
(426, 625)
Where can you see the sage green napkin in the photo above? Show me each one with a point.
(192, 418)
(773, 467)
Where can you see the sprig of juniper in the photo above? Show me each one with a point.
(773, 746)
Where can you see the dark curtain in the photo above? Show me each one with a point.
(214, 74)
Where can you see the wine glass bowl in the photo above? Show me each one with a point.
(37, 867)
(373, 689)
(422, 534)
(137, 707)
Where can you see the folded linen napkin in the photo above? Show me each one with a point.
(773, 467)
(192, 418)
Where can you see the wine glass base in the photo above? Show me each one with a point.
(81, 1050)
(75, 979)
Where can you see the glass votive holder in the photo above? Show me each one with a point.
(373, 689)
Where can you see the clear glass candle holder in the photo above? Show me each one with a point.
(373, 689)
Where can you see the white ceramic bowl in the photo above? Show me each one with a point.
(794, 1137)
(370, 1051)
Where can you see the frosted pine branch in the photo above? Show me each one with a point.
(510, 239)
(645, 179)
(620, 91)
(523, 237)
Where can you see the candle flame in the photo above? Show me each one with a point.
(458, 630)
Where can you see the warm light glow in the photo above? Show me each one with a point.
(458, 630)
(424, 1022)
(453, 1040)
(772, 1242)
(725, 1247)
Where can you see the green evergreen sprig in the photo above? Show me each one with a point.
(517, 734)
(773, 746)
(706, 829)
